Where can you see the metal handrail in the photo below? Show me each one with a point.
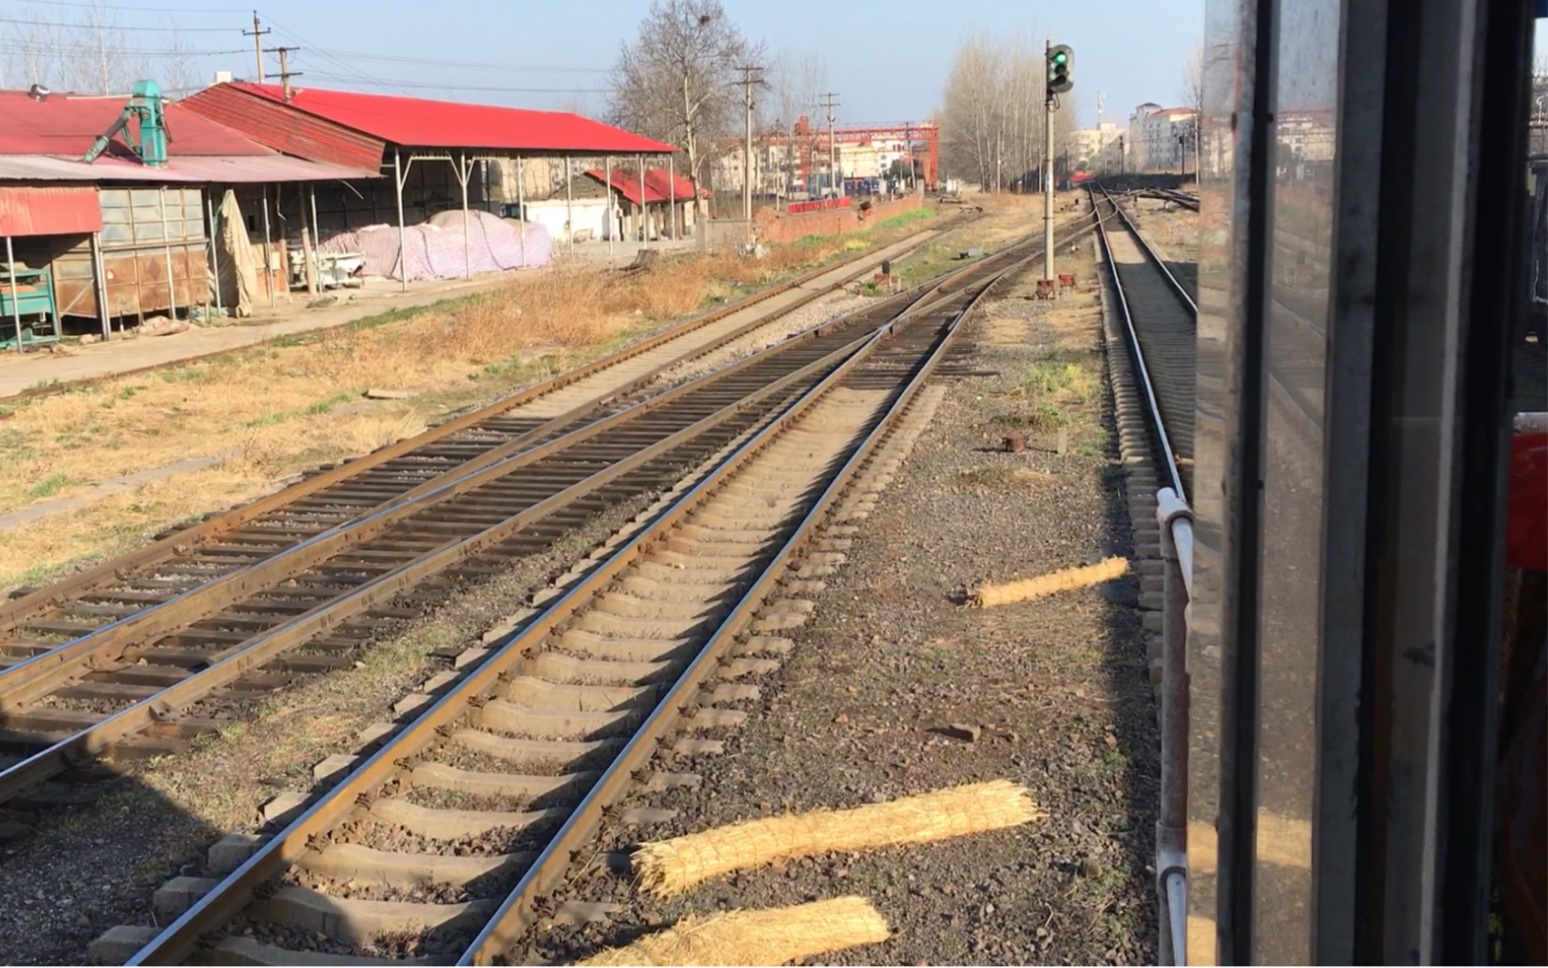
(1176, 520)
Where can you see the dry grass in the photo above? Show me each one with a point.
(281, 407)
(672, 866)
(772, 937)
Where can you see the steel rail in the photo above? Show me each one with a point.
(35, 676)
(1155, 257)
(227, 898)
(14, 613)
(514, 917)
(1175, 519)
(1137, 354)
(241, 659)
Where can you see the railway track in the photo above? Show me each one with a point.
(337, 493)
(444, 843)
(152, 680)
(1158, 317)
(304, 594)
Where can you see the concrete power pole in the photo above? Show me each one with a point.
(1048, 182)
(748, 80)
(833, 178)
(257, 35)
(285, 72)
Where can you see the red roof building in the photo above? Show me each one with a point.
(45, 139)
(347, 127)
(661, 186)
(302, 160)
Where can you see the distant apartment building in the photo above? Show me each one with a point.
(1305, 141)
(858, 159)
(1161, 139)
(1100, 148)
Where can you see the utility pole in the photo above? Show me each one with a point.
(1060, 63)
(257, 35)
(285, 72)
(748, 80)
(833, 179)
(1048, 183)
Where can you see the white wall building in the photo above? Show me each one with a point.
(1160, 139)
(858, 159)
(590, 217)
(1101, 148)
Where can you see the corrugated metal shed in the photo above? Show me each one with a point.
(417, 122)
(50, 210)
(286, 129)
(661, 186)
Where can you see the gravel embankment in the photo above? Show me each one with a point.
(1056, 690)
(814, 313)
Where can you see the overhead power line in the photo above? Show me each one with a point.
(352, 72)
(78, 26)
(22, 47)
(136, 9)
(434, 62)
(439, 85)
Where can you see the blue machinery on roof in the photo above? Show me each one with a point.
(148, 138)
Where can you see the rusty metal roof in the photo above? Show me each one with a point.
(283, 128)
(660, 185)
(66, 125)
(50, 210)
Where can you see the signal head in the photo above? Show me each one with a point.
(1061, 65)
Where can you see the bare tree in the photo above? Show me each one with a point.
(1193, 80)
(95, 59)
(32, 46)
(992, 118)
(798, 80)
(179, 77)
(970, 119)
(674, 82)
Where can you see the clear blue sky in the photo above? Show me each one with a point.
(887, 61)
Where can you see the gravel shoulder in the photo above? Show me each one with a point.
(1057, 689)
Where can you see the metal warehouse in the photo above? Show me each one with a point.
(121, 208)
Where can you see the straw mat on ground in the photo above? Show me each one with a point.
(1068, 579)
(770, 937)
(672, 866)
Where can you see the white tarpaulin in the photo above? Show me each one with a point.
(435, 249)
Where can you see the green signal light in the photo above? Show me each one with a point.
(1061, 57)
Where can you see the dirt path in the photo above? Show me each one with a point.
(22, 372)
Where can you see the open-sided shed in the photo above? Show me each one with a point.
(398, 135)
(123, 233)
